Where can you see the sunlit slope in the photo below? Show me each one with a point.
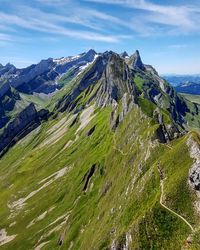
(73, 183)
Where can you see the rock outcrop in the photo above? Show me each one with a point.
(115, 82)
(24, 123)
(124, 54)
(7, 104)
(165, 132)
(194, 173)
(89, 78)
(135, 61)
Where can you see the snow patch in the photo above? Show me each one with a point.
(64, 60)
(82, 68)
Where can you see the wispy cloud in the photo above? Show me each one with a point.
(92, 24)
(178, 46)
(47, 22)
(55, 3)
(5, 37)
(183, 17)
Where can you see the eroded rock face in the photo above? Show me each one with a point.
(194, 177)
(124, 54)
(90, 78)
(194, 173)
(135, 61)
(165, 132)
(24, 123)
(123, 242)
(128, 102)
(7, 103)
(116, 81)
(88, 176)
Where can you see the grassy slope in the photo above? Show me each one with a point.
(192, 98)
(122, 196)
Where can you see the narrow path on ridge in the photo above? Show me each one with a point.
(162, 188)
(170, 210)
(163, 205)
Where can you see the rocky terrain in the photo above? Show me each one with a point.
(97, 151)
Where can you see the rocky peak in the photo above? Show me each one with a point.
(7, 69)
(135, 61)
(115, 81)
(9, 65)
(91, 52)
(124, 54)
(89, 56)
(30, 73)
(44, 65)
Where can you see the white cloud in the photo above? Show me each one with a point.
(48, 24)
(54, 2)
(5, 37)
(183, 17)
(178, 46)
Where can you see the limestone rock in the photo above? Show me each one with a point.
(24, 123)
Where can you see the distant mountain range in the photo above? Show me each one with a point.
(189, 84)
(44, 77)
(176, 80)
(189, 88)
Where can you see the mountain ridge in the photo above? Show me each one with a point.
(110, 78)
(108, 161)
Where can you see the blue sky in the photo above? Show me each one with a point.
(167, 33)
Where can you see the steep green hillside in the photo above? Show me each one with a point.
(62, 185)
(112, 165)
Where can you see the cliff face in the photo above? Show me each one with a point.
(23, 124)
(7, 104)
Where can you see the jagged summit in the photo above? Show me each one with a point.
(124, 54)
(110, 74)
(8, 69)
(135, 61)
(91, 52)
(90, 55)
